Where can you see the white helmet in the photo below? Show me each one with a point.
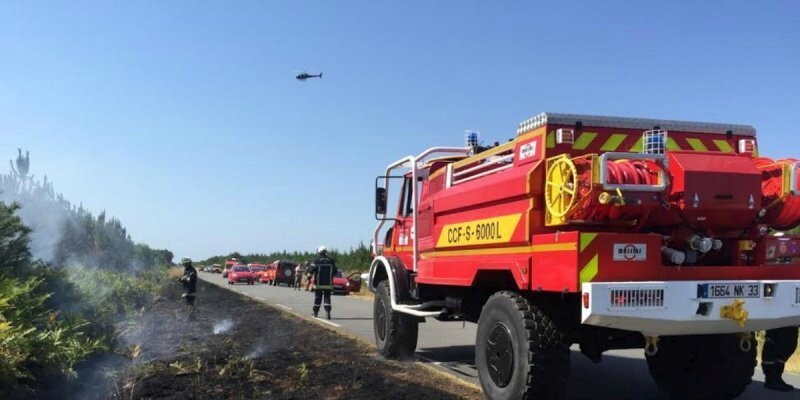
(321, 250)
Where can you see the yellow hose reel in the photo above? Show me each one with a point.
(561, 185)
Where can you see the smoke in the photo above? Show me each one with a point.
(255, 352)
(67, 235)
(222, 326)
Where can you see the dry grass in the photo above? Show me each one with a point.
(175, 272)
(364, 293)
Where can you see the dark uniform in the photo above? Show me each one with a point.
(189, 280)
(322, 270)
(779, 345)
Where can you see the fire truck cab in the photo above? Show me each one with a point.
(605, 232)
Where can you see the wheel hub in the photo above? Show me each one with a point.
(500, 354)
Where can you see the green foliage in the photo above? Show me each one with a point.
(355, 259)
(15, 257)
(107, 295)
(88, 275)
(34, 337)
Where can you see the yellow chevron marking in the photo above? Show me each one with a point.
(590, 270)
(584, 140)
(723, 145)
(637, 147)
(613, 142)
(672, 144)
(551, 140)
(586, 240)
(697, 144)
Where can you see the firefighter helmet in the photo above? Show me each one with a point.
(322, 250)
(186, 261)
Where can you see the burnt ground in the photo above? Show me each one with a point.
(263, 354)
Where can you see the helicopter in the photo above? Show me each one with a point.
(304, 76)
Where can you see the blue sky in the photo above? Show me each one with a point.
(184, 119)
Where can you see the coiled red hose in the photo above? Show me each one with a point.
(627, 172)
(782, 213)
(621, 172)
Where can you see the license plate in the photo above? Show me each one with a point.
(728, 290)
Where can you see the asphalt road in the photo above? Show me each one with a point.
(450, 346)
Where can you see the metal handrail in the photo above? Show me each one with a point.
(414, 164)
(658, 158)
(488, 163)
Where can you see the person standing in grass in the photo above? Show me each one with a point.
(779, 345)
(189, 280)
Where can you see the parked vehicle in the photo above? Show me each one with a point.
(256, 270)
(229, 263)
(281, 272)
(606, 232)
(265, 275)
(240, 274)
(345, 285)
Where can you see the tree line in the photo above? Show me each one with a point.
(355, 259)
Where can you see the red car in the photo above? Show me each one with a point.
(240, 273)
(256, 270)
(345, 285)
(265, 275)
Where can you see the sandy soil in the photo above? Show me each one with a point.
(238, 348)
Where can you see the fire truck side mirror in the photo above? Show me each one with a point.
(380, 201)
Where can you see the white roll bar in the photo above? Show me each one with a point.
(413, 163)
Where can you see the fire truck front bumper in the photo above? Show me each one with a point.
(692, 307)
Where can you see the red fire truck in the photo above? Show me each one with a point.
(608, 233)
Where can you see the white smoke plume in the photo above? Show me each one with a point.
(222, 326)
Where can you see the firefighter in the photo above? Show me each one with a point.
(298, 276)
(189, 280)
(779, 345)
(323, 268)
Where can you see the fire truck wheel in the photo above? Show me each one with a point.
(520, 352)
(395, 332)
(702, 367)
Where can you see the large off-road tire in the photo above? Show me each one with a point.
(520, 352)
(702, 366)
(395, 333)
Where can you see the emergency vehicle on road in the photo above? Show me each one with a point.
(605, 232)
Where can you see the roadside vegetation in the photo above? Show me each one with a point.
(356, 259)
(70, 283)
